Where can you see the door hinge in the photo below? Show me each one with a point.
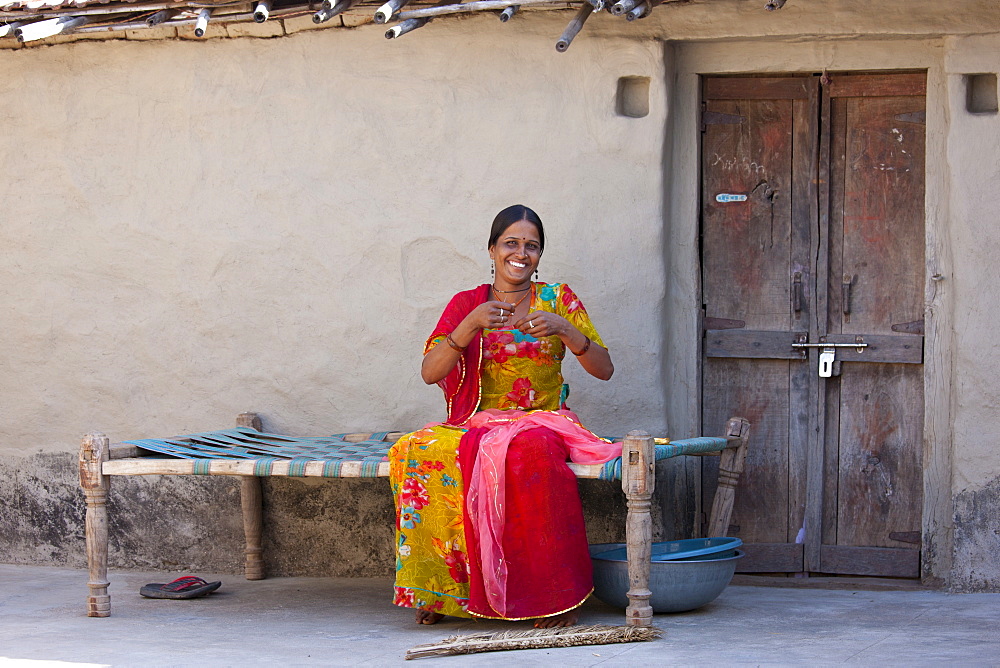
(912, 117)
(718, 118)
(722, 323)
(912, 327)
(905, 536)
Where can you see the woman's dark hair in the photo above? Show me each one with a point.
(515, 214)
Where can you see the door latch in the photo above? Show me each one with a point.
(828, 364)
(826, 359)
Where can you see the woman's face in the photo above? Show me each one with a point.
(516, 253)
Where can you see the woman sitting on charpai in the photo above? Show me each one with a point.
(488, 516)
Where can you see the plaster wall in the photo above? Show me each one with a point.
(193, 230)
(973, 144)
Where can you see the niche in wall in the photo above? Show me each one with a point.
(981, 93)
(632, 99)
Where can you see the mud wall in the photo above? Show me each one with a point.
(197, 229)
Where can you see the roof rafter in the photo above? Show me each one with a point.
(33, 20)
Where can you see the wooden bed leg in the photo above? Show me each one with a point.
(251, 499)
(253, 526)
(93, 454)
(731, 463)
(638, 478)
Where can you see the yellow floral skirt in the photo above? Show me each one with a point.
(432, 569)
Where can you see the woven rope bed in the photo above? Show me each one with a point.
(245, 451)
(250, 453)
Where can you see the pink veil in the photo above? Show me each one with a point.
(486, 489)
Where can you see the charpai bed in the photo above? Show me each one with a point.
(248, 452)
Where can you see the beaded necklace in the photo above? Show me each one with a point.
(523, 297)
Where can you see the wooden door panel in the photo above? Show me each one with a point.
(895, 349)
(752, 250)
(912, 84)
(758, 88)
(877, 561)
(771, 558)
(875, 409)
(841, 232)
(757, 390)
(881, 439)
(759, 344)
(746, 243)
(883, 240)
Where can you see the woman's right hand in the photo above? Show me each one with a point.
(441, 359)
(488, 315)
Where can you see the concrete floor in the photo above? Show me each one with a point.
(337, 621)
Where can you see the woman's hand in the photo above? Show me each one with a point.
(542, 323)
(441, 359)
(594, 358)
(488, 315)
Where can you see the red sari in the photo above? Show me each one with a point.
(515, 547)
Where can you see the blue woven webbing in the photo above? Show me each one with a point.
(613, 470)
(265, 449)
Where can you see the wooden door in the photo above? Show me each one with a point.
(812, 234)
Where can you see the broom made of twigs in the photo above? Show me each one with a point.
(534, 639)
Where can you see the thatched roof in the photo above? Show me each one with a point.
(32, 21)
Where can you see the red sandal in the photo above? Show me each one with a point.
(188, 586)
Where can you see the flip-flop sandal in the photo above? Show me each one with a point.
(185, 587)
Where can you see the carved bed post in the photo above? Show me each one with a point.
(731, 463)
(638, 478)
(251, 499)
(93, 454)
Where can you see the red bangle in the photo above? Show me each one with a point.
(586, 347)
(455, 346)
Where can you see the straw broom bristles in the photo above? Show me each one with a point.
(534, 639)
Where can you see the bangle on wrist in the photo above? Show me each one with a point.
(451, 342)
(586, 347)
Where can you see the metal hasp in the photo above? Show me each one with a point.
(826, 359)
(828, 353)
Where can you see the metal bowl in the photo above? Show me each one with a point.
(672, 550)
(677, 586)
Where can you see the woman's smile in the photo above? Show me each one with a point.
(516, 254)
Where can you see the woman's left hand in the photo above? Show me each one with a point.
(540, 324)
(594, 358)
